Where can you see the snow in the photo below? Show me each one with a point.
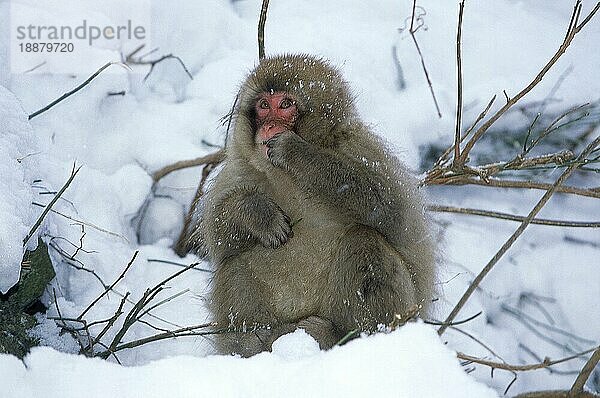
(17, 163)
(401, 363)
(119, 140)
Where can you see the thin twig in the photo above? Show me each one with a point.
(512, 217)
(111, 320)
(86, 223)
(459, 90)
(524, 224)
(572, 31)
(412, 31)
(75, 263)
(156, 260)
(523, 163)
(163, 301)
(212, 158)
(35, 67)
(230, 116)
(548, 130)
(161, 59)
(522, 316)
(478, 341)
(501, 183)
(521, 368)
(540, 359)
(468, 131)
(134, 313)
(454, 323)
(76, 89)
(152, 326)
(109, 288)
(130, 59)
(47, 209)
(183, 332)
(261, 29)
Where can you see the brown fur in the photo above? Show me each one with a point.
(327, 234)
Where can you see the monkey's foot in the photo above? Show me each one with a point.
(320, 329)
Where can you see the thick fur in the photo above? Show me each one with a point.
(327, 233)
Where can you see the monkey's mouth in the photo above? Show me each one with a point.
(268, 131)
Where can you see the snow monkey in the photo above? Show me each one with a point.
(311, 223)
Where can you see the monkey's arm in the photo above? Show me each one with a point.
(238, 214)
(359, 189)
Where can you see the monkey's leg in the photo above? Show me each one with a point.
(251, 341)
(240, 302)
(368, 283)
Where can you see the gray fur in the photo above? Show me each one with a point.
(328, 233)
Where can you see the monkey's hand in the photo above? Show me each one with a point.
(281, 147)
(266, 221)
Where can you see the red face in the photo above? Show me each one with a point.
(275, 113)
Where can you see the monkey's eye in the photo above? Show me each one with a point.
(263, 104)
(286, 103)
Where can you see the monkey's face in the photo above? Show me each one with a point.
(297, 93)
(276, 112)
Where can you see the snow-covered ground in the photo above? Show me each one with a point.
(550, 274)
(295, 368)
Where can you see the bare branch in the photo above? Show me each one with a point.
(483, 113)
(109, 288)
(134, 314)
(183, 332)
(459, 90)
(163, 301)
(541, 203)
(555, 394)
(585, 373)
(588, 18)
(212, 158)
(572, 31)
(156, 260)
(47, 209)
(131, 60)
(86, 223)
(412, 30)
(76, 89)
(521, 368)
(478, 341)
(501, 183)
(454, 323)
(522, 163)
(261, 29)
(548, 130)
(111, 321)
(512, 217)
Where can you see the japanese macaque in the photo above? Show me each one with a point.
(311, 223)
